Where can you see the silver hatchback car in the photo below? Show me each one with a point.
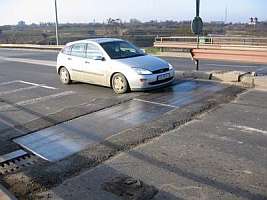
(113, 63)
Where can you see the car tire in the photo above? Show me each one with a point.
(120, 84)
(64, 76)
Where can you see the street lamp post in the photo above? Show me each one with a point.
(56, 23)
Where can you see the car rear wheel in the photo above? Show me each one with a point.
(120, 84)
(64, 76)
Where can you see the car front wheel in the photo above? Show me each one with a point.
(120, 84)
(64, 76)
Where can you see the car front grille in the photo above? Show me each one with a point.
(161, 81)
(160, 71)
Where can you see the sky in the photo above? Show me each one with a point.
(84, 11)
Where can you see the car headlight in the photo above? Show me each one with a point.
(141, 71)
(170, 67)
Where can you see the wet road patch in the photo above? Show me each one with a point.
(183, 93)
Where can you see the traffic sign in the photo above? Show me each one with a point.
(197, 25)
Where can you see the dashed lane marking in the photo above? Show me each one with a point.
(36, 100)
(39, 85)
(28, 83)
(248, 129)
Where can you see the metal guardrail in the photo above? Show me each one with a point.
(250, 50)
(208, 40)
(230, 55)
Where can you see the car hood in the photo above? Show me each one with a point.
(147, 62)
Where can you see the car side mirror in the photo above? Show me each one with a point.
(102, 58)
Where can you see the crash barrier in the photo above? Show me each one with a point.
(238, 55)
(239, 49)
(209, 41)
(32, 46)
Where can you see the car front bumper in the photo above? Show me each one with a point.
(147, 82)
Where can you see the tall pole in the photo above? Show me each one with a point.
(56, 22)
(197, 15)
(197, 8)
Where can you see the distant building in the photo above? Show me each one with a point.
(217, 22)
(21, 23)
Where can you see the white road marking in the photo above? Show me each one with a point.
(31, 61)
(223, 138)
(248, 129)
(36, 100)
(29, 83)
(8, 83)
(17, 90)
(39, 85)
(155, 103)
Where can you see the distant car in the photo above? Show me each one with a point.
(113, 63)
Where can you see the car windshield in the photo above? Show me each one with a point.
(121, 49)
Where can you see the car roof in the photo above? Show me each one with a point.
(96, 40)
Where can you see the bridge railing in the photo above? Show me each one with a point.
(208, 40)
(239, 49)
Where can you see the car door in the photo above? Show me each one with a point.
(94, 65)
(76, 60)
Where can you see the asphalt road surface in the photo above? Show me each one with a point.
(32, 99)
(179, 63)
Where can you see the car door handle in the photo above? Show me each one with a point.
(86, 62)
(69, 58)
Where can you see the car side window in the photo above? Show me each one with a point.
(78, 50)
(93, 51)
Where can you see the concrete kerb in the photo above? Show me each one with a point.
(193, 75)
(238, 78)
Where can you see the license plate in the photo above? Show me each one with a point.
(163, 77)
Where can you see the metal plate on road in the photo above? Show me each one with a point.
(58, 142)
